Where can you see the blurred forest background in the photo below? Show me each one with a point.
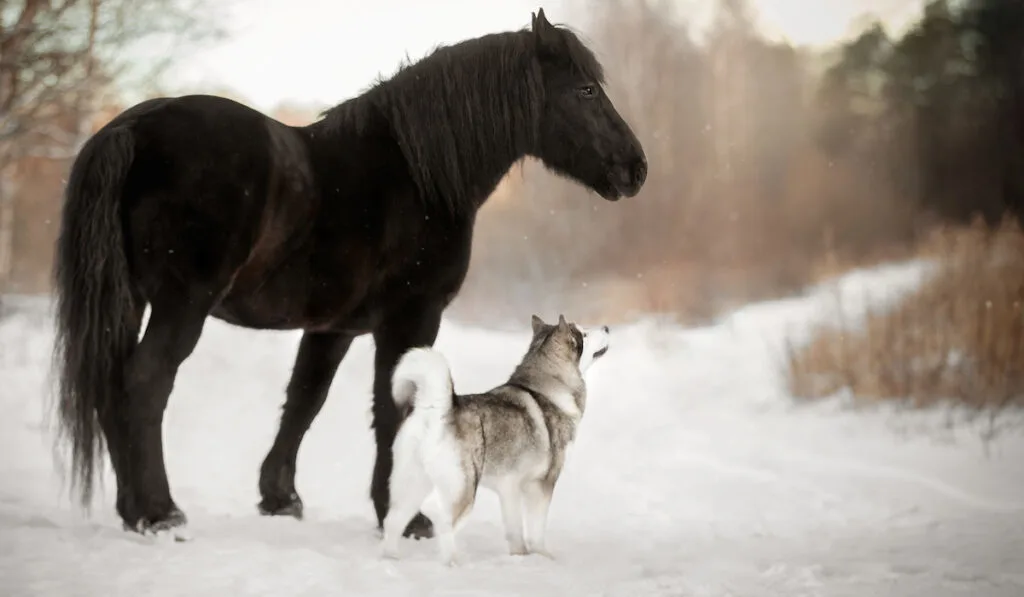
(772, 167)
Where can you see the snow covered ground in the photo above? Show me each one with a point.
(694, 474)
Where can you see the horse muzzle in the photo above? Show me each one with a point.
(629, 177)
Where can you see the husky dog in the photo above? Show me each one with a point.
(511, 439)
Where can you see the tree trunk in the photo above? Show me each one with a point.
(6, 231)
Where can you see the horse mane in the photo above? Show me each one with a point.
(466, 108)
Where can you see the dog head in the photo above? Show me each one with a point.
(567, 341)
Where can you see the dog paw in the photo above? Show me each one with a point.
(451, 561)
(540, 551)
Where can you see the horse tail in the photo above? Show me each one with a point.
(96, 316)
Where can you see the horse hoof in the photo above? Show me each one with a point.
(290, 506)
(173, 526)
(419, 527)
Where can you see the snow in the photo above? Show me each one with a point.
(694, 474)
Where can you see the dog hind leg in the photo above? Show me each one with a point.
(409, 487)
(451, 501)
(439, 507)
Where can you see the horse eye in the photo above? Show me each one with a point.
(588, 91)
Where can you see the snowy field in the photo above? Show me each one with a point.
(694, 475)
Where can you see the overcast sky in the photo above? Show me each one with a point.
(319, 52)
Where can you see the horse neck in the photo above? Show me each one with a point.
(330, 146)
(485, 183)
(464, 116)
(466, 170)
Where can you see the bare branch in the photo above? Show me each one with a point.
(59, 58)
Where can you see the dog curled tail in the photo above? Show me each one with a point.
(422, 382)
(424, 394)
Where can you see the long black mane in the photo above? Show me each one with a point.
(463, 108)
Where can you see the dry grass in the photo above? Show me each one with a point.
(959, 338)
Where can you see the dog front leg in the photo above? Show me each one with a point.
(510, 496)
(538, 500)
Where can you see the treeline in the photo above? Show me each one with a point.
(768, 162)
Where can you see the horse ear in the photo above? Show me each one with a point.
(537, 323)
(545, 31)
(561, 322)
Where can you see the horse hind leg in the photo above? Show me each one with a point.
(114, 432)
(175, 325)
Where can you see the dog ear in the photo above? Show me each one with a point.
(537, 323)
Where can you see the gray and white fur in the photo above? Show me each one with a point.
(511, 439)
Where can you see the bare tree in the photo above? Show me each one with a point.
(61, 61)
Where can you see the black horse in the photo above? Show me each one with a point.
(358, 223)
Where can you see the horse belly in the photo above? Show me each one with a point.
(246, 315)
(295, 298)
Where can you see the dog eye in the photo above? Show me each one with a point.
(587, 91)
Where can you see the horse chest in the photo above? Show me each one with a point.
(432, 271)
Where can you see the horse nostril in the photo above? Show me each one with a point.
(640, 172)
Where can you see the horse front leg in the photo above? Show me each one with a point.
(317, 361)
(414, 327)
